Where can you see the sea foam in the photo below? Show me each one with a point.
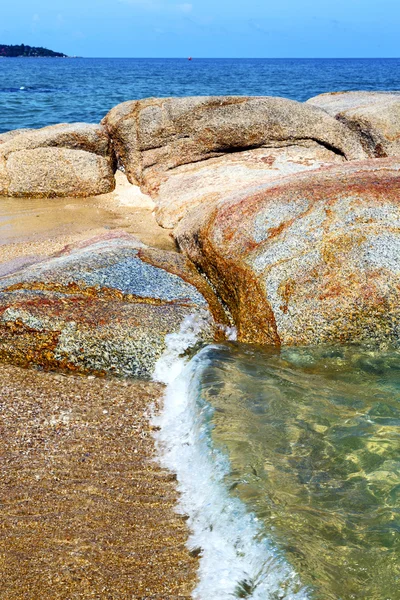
(236, 560)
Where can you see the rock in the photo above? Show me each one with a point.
(75, 136)
(207, 181)
(9, 135)
(154, 137)
(102, 307)
(61, 160)
(307, 259)
(49, 172)
(373, 116)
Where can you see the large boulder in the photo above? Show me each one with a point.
(309, 259)
(207, 181)
(373, 116)
(156, 137)
(61, 160)
(75, 136)
(102, 306)
(49, 172)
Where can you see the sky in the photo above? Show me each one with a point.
(206, 28)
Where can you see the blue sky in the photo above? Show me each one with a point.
(206, 28)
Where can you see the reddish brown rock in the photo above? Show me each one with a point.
(307, 259)
(373, 116)
(103, 306)
(207, 181)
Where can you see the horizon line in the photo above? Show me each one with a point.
(220, 57)
(244, 57)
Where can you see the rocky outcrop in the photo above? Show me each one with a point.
(206, 182)
(269, 200)
(373, 116)
(103, 307)
(307, 259)
(75, 136)
(155, 138)
(60, 160)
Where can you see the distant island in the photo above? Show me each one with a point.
(28, 51)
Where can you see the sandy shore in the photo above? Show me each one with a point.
(86, 512)
(31, 229)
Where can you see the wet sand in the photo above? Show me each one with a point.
(85, 510)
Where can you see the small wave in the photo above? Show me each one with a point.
(236, 561)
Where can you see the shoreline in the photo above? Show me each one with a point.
(83, 517)
(34, 229)
(258, 219)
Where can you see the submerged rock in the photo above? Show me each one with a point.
(103, 306)
(307, 259)
(186, 151)
(61, 160)
(373, 116)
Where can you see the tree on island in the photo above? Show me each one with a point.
(27, 51)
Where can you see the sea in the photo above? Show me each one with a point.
(287, 461)
(38, 92)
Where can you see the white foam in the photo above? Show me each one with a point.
(230, 332)
(232, 548)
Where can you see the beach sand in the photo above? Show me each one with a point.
(85, 510)
(32, 229)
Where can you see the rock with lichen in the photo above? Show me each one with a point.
(373, 116)
(206, 182)
(103, 306)
(308, 259)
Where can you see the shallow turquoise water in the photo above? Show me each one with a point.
(313, 441)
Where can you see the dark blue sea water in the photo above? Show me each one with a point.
(39, 92)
